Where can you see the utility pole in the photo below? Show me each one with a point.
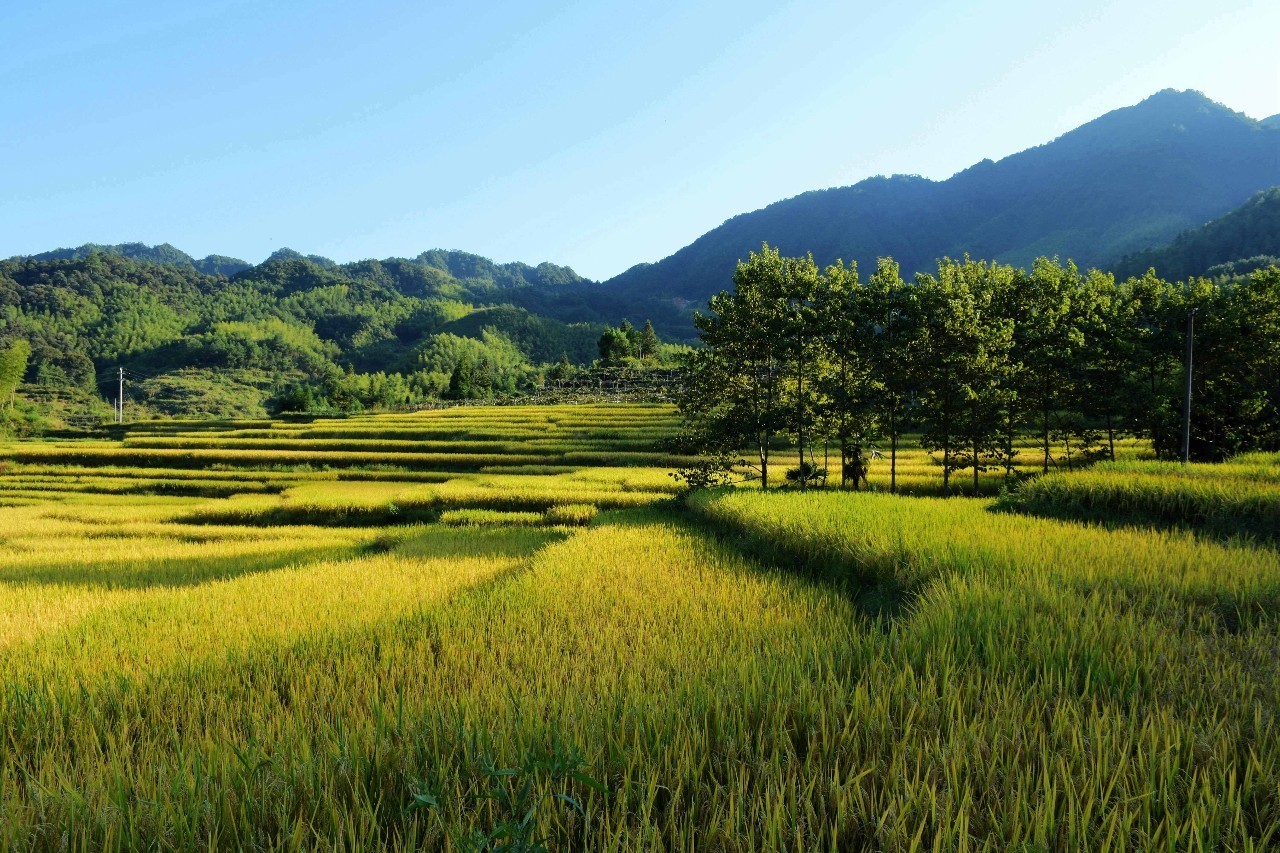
(1186, 406)
(120, 412)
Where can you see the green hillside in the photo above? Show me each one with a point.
(1246, 239)
(295, 332)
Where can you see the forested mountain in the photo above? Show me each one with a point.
(1133, 178)
(1246, 239)
(370, 333)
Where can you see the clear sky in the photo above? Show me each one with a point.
(594, 134)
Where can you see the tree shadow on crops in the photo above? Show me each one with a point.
(166, 573)
(862, 585)
(1230, 529)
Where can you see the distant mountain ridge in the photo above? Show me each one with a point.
(164, 253)
(463, 266)
(1133, 178)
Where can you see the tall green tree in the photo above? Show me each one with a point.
(893, 308)
(846, 381)
(734, 395)
(799, 330)
(648, 344)
(13, 367)
(967, 345)
(1048, 316)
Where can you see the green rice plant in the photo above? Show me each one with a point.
(481, 517)
(1230, 499)
(571, 514)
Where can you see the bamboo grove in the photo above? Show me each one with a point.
(976, 357)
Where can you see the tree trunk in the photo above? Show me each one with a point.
(1045, 432)
(893, 460)
(946, 460)
(764, 461)
(804, 484)
(975, 465)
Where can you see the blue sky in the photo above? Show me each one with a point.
(593, 134)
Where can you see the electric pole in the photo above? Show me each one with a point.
(1186, 405)
(120, 412)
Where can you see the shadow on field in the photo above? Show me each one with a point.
(882, 600)
(1229, 529)
(406, 541)
(171, 573)
(317, 516)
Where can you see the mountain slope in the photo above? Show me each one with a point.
(1239, 242)
(1130, 179)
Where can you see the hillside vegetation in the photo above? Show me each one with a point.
(292, 333)
(1244, 240)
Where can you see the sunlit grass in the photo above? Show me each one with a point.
(282, 664)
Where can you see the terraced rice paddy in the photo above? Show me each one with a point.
(341, 634)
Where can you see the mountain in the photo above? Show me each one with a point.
(1273, 121)
(287, 254)
(467, 267)
(1243, 240)
(367, 333)
(1133, 178)
(162, 254)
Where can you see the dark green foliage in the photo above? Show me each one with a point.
(1244, 240)
(976, 356)
(539, 339)
(628, 346)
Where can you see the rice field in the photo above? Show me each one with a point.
(412, 631)
(1240, 497)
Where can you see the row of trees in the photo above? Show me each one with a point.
(976, 357)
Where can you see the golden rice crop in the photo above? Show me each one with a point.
(806, 671)
(1236, 497)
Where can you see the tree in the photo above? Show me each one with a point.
(847, 382)
(13, 367)
(648, 343)
(632, 334)
(967, 344)
(894, 310)
(1154, 348)
(461, 380)
(1235, 388)
(561, 370)
(734, 384)
(615, 347)
(796, 324)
